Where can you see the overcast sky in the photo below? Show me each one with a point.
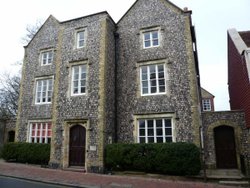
(211, 18)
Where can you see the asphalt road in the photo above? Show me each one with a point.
(6, 182)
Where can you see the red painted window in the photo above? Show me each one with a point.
(40, 132)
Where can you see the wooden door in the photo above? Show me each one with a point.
(225, 147)
(77, 146)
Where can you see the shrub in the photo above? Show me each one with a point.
(26, 152)
(164, 158)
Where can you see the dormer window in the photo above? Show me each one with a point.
(151, 38)
(47, 57)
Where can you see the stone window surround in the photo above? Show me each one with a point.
(69, 66)
(150, 29)
(35, 88)
(153, 62)
(41, 56)
(78, 30)
(171, 116)
(37, 121)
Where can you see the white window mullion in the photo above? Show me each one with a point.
(79, 79)
(163, 132)
(47, 89)
(30, 134)
(151, 39)
(146, 131)
(35, 138)
(157, 79)
(149, 83)
(173, 131)
(154, 126)
(46, 133)
(41, 133)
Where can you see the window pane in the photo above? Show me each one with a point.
(144, 84)
(168, 131)
(167, 122)
(153, 89)
(146, 36)
(155, 35)
(161, 75)
(159, 139)
(158, 123)
(83, 90)
(159, 132)
(161, 82)
(152, 69)
(142, 132)
(155, 42)
(147, 44)
(150, 139)
(81, 43)
(83, 83)
(150, 132)
(153, 83)
(150, 123)
(142, 140)
(144, 70)
(162, 89)
(145, 91)
(144, 77)
(168, 139)
(141, 124)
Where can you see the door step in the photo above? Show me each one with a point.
(235, 183)
(225, 174)
(76, 169)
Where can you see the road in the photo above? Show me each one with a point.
(6, 182)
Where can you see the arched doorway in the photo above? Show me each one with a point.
(225, 147)
(11, 136)
(77, 144)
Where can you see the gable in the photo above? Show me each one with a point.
(150, 5)
(205, 94)
(45, 29)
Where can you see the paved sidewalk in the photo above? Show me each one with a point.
(80, 179)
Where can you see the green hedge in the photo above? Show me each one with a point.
(163, 158)
(26, 152)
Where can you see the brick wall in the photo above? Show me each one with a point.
(238, 81)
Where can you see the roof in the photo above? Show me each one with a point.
(245, 35)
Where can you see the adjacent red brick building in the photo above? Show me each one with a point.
(239, 71)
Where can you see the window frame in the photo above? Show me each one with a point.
(149, 80)
(155, 128)
(47, 79)
(39, 129)
(206, 105)
(72, 80)
(42, 53)
(151, 39)
(78, 40)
